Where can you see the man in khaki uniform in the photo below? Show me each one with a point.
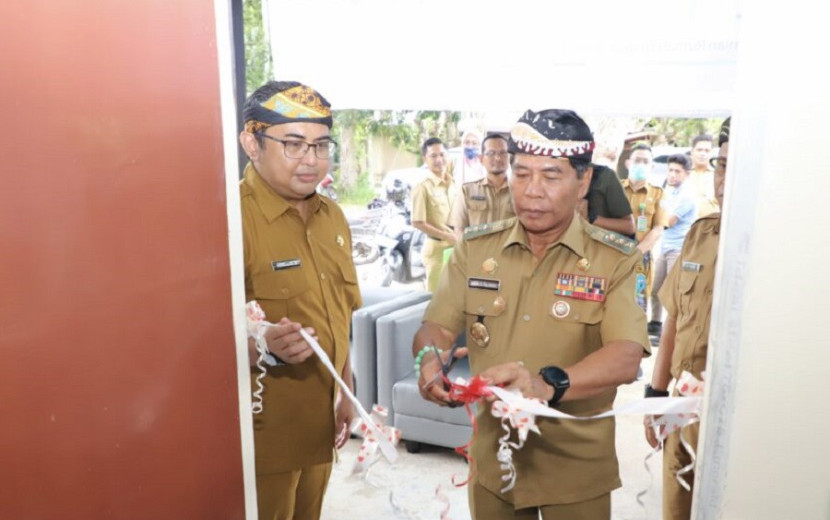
(432, 201)
(650, 217)
(687, 297)
(547, 303)
(701, 175)
(488, 199)
(298, 266)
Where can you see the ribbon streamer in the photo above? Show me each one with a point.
(386, 447)
(256, 325)
(368, 452)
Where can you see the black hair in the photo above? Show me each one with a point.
(492, 136)
(702, 138)
(680, 159)
(429, 142)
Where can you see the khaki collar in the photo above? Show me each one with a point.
(269, 201)
(573, 238)
(437, 181)
(627, 184)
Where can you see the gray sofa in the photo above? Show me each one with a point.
(419, 421)
(377, 301)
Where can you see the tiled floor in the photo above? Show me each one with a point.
(407, 489)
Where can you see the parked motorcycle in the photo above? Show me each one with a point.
(400, 244)
(326, 187)
(385, 231)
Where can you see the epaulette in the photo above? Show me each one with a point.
(610, 238)
(480, 230)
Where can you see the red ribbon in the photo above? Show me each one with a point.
(472, 392)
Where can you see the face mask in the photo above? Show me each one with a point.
(470, 153)
(637, 173)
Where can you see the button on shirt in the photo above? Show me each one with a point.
(303, 271)
(527, 321)
(687, 295)
(479, 203)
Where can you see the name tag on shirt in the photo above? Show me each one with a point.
(483, 283)
(279, 265)
(478, 197)
(692, 266)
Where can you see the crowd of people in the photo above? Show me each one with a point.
(556, 269)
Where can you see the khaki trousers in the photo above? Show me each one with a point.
(485, 505)
(292, 495)
(433, 257)
(677, 502)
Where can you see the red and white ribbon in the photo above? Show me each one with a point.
(368, 452)
(256, 329)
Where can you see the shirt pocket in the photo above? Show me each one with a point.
(477, 205)
(573, 322)
(277, 289)
(686, 287)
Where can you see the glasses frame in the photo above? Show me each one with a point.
(714, 162)
(330, 146)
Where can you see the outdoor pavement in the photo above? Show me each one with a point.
(407, 489)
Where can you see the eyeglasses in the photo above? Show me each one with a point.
(718, 162)
(298, 149)
(490, 154)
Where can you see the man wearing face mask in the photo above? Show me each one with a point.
(650, 217)
(468, 168)
(687, 296)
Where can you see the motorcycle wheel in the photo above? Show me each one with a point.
(364, 252)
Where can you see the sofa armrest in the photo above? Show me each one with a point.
(364, 342)
(395, 332)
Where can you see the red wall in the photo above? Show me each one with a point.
(118, 389)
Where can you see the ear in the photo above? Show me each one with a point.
(585, 182)
(250, 145)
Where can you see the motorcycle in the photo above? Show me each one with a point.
(385, 231)
(326, 187)
(400, 244)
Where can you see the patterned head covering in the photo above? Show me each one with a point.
(288, 102)
(553, 133)
(724, 131)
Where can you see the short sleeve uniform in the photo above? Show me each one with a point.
(605, 196)
(480, 202)
(646, 204)
(432, 202)
(303, 271)
(553, 311)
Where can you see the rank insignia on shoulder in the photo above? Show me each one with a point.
(615, 240)
(483, 283)
(488, 228)
(580, 287)
(692, 266)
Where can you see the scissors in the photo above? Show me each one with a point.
(445, 367)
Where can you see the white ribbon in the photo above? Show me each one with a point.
(368, 452)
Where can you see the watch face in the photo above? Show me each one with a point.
(555, 377)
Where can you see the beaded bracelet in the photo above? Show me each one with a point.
(421, 354)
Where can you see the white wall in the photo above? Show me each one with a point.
(764, 453)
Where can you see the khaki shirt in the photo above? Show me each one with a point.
(302, 271)
(687, 295)
(652, 214)
(571, 460)
(480, 202)
(703, 186)
(432, 202)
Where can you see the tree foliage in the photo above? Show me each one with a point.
(258, 59)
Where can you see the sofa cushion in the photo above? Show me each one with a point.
(407, 400)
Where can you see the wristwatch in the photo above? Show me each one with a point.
(272, 360)
(558, 379)
(652, 392)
